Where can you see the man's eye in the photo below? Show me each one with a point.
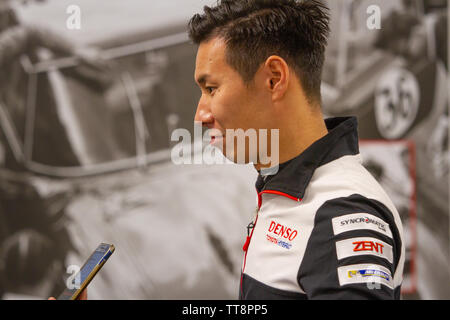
(210, 90)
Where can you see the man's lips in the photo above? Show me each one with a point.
(215, 136)
(215, 140)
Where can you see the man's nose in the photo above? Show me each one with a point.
(203, 114)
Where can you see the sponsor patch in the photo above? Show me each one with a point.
(362, 246)
(279, 242)
(282, 231)
(360, 221)
(281, 235)
(365, 273)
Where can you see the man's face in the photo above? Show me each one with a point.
(226, 101)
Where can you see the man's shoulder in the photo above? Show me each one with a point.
(357, 229)
(338, 188)
(346, 181)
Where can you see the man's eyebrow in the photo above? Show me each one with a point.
(202, 79)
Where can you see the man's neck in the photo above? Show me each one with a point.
(296, 137)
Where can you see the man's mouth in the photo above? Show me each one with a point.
(216, 140)
(216, 136)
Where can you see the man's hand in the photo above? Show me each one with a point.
(82, 296)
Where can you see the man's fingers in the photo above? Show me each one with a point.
(83, 295)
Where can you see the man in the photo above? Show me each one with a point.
(324, 228)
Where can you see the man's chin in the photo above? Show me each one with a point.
(217, 142)
(234, 157)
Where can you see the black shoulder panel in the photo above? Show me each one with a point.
(369, 245)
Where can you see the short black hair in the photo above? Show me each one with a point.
(253, 30)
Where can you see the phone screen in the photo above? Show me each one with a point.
(88, 271)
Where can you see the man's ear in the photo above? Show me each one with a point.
(277, 76)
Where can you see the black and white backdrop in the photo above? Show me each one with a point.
(90, 92)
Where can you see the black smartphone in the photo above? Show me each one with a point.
(87, 272)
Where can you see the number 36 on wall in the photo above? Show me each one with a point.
(397, 99)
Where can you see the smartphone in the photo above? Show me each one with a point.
(88, 271)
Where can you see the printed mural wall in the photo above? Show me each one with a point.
(85, 148)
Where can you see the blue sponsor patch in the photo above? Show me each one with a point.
(369, 273)
(278, 242)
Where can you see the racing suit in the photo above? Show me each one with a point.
(324, 228)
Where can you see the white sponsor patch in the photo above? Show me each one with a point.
(364, 245)
(358, 221)
(365, 273)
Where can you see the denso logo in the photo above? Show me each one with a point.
(282, 231)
